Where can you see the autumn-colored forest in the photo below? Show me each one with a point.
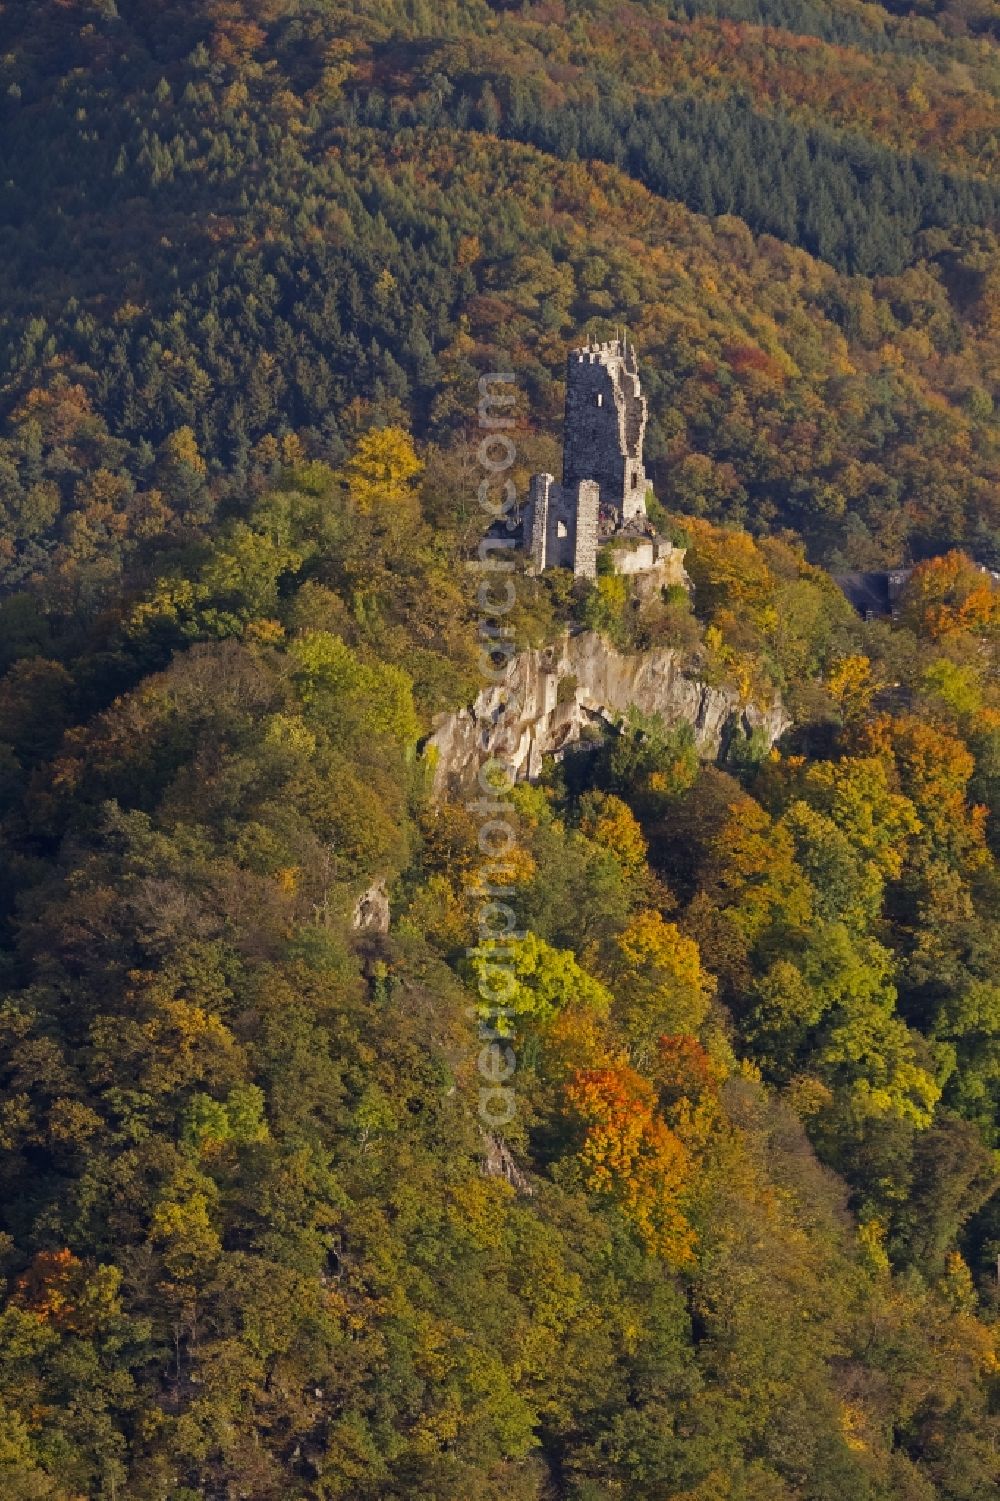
(742, 1244)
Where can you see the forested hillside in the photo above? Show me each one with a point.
(739, 1240)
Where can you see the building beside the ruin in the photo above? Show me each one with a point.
(602, 496)
(874, 595)
(877, 596)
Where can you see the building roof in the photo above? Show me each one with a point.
(867, 592)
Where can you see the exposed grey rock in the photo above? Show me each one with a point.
(549, 697)
(498, 1162)
(372, 915)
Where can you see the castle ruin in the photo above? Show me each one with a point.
(603, 489)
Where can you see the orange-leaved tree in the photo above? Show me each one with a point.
(949, 595)
(629, 1156)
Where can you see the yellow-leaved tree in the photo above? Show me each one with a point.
(381, 471)
(660, 985)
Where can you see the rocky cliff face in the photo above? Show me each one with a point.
(549, 697)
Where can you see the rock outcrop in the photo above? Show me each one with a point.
(372, 914)
(549, 697)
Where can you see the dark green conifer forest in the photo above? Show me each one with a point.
(739, 1241)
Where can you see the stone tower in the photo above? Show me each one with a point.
(603, 488)
(605, 425)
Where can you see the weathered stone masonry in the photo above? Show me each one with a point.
(603, 489)
(563, 525)
(604, 427)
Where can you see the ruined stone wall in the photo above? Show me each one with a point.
(561, 526)
(586, 518)
(536, 519)
(636, 559)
